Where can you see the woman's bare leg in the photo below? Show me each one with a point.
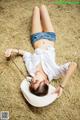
(37, 26)
(45, 19)
(36, 23)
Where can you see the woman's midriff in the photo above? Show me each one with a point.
(41, 42)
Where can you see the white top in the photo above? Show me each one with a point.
(45, 55)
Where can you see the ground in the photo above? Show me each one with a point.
(15, 27)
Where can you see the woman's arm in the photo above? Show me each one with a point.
(69, 73)
(11, 51)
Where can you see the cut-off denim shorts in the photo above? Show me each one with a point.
(43, 35)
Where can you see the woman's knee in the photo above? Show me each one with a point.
(36, 8)
(43, 6)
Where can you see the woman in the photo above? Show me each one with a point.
(41, 65)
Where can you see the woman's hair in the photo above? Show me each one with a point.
(40, 91)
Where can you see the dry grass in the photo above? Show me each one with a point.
(15, 25)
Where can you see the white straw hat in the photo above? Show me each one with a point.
(38, 101)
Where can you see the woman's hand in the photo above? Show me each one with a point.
(59, 91)
(8, 52)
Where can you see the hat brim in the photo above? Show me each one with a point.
(36, 100)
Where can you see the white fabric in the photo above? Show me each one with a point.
(36, 100)
(44, 55)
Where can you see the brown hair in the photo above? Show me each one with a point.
(40, 91)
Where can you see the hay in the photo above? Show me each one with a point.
(15, 26)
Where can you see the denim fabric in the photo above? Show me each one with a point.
(43, 35)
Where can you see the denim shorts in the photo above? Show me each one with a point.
(43, 35)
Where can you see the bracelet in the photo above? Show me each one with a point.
(17, 51)
(61, 86)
